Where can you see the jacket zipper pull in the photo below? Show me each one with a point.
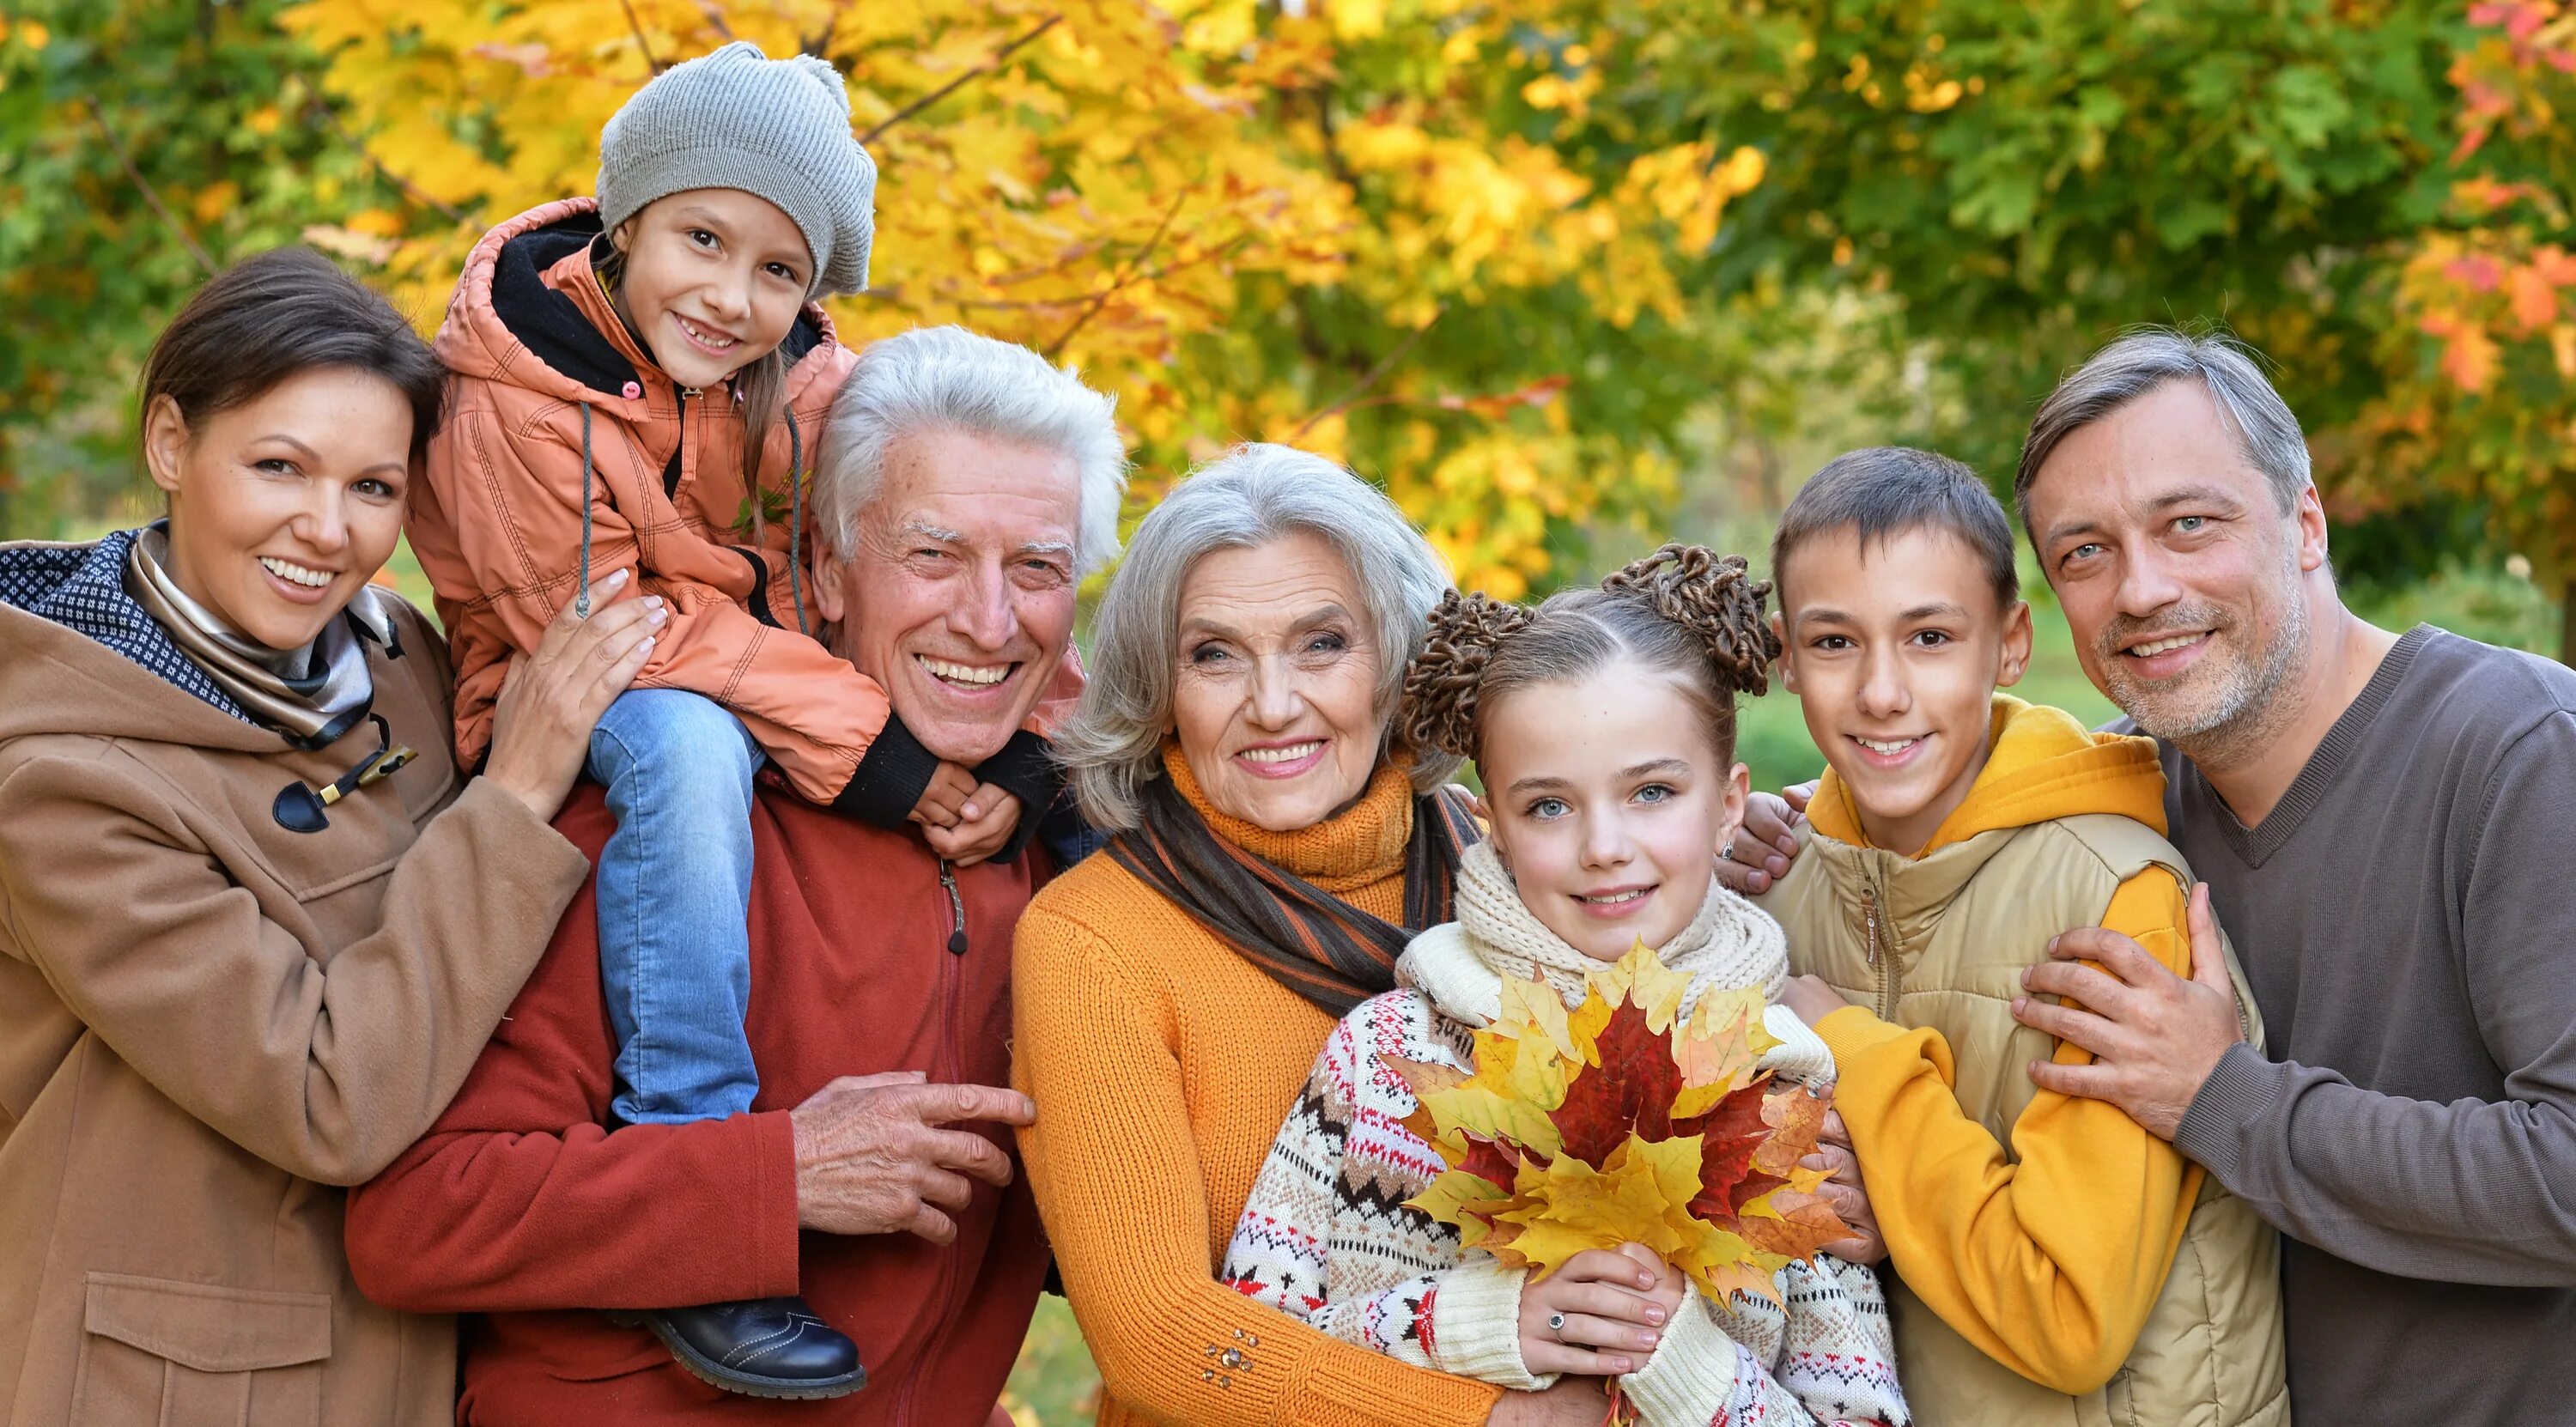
(956, 909)
(1869, 925)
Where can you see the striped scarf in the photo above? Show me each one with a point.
(1308, 940)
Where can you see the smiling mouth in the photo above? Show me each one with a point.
(1284, 753)
(2167, 645)
(965, 676)
(1613, 899)
(1887, 747)
(708, 338)
(295, 574)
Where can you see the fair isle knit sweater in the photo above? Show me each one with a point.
(1325, 1235)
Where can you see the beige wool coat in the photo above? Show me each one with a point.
(209, 1023)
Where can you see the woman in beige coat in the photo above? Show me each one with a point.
(255, 924)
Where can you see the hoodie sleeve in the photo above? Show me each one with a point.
(2048, 1260)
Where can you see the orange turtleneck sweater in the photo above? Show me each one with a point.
(1162, 1062)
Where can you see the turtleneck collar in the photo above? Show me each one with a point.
(1360, 845)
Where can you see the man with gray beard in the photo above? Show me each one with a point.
(2384, 822)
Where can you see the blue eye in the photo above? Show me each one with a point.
(1206, 654)
(1656, 793)
(1548, 809)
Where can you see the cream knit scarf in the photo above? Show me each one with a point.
(1731, 943)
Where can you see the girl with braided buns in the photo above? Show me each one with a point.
(1603, 721)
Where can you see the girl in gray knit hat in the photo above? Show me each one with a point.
(637, 383)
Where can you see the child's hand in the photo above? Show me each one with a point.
(944, 802)
(1601, 1314)
(1811, 998)
(990, 815)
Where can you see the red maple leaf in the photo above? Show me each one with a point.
(1631, 1090)
(1731, 1132)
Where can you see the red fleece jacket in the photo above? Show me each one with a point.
(519, 1205)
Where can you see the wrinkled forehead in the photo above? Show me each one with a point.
(976, 493)
(2173, 446)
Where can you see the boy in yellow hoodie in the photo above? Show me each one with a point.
(2053, 1262)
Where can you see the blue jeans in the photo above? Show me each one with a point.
(674, 891)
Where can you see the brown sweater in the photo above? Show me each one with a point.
(2404, 920)
(1162, 1062)
(208, 1021)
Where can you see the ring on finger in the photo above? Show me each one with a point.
(1556, 1325)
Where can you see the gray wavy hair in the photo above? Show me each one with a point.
(1249, 497)
(950, 379)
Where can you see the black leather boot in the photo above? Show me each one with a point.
(761, 1347)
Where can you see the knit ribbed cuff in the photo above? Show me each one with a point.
(2243, 1087)
(890, 780)
(1801, 1054)
(1690, 1377)
(1476, 1325)
(1026, 770)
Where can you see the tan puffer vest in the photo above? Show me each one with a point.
(1942, 942)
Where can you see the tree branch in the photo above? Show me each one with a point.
(1384, 365)
(144, 186)
(1000, 57)
(1125, 271)
(636, 26)
(452, 213)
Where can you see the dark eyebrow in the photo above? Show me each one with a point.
(2189, 495)
(1814, 615)
(1937, 610)
(313, 457)
(2065, 530)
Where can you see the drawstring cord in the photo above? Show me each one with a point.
(796, 531)
(581, 596)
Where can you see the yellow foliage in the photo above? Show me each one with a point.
(1142, 189)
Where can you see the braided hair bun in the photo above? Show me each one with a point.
(1717, 599)
(1442, 682)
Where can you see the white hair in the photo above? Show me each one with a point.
(1251, 496)
(950, 379)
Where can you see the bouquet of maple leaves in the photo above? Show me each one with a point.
(1621, 1122)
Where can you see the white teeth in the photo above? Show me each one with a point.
(1892, 746)
(295, 574)
(711, 339)
(1616, 898)
(965, 673)
(2143, 651)
(1289, 754)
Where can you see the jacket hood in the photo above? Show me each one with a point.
(2042, 765)
(78, 655)
(530, 312)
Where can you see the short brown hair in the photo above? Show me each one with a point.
(1683, 610)
(1881, 492)
(278, 315)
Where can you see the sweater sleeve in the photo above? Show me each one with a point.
(519, 1198)
(1112, 1160)
(2048, 1260)
(515, 502)
(326, 1068)
(1463, 1319)
(2474, 1191)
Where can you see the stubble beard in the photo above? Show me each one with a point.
(2254, 698)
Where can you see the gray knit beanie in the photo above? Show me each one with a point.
(739, 119)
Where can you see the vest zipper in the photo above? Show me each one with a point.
(956, 909)
(1877, 955)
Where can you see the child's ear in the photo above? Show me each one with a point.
(1737, 791)
(1786, 665)
(2014, 659)
(622, 236)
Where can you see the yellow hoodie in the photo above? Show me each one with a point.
(2048, 1258)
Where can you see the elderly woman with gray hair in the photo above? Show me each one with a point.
(1277, 844)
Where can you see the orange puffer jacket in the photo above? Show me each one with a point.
(564, 441)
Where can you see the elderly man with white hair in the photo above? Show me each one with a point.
(965, 488)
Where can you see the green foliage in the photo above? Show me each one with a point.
(215, 109)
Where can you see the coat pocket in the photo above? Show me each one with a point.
(157, 1353)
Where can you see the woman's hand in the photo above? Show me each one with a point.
(1572, 1402)
(552, 699)
(1600, 1314)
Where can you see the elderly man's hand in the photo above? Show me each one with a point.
(872, 1156)
(2154, 1037)
(991, 815)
